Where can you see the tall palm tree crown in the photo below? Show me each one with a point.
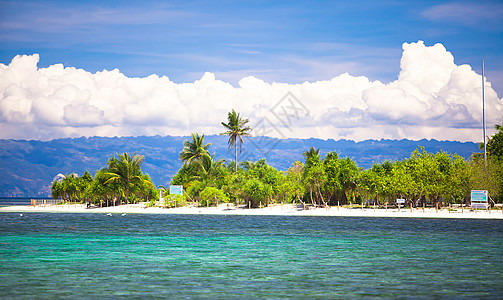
(125, 170)
(208, 169)
(236, 128)
(312, 156)
(195, 150)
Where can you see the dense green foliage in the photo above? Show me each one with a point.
(495, 143)
(122, 180)
(422, 179)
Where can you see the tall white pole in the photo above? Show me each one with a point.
(484, 115)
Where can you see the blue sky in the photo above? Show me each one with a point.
(275, 41)
(283, 41)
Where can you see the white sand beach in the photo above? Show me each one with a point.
(279, 210)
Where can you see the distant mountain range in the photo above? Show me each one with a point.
(27, 168)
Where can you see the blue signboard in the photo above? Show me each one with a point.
(176, 190)
(479, 199)
(479, 196)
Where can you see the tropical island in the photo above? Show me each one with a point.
(424, 180)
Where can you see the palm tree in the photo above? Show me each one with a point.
(235, 130)
(126, 171)
(248, 165)
(57, 190)
(312, 155)
(208, 169)
(195, 150)
(70, 187)
(252, 165)
(495, 143)
(314, 174)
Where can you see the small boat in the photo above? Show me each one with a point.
(109, 214)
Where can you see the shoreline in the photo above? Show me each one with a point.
(284, 210)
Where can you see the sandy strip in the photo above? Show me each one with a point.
(285, 210)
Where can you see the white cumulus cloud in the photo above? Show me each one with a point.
(432, 98)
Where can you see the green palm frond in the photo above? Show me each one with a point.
(125, 171)
(195, 150)
(236, 130)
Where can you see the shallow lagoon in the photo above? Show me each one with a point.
(194, 256)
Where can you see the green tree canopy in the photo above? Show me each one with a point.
(126, 171)
(495, 143)
(314, 176)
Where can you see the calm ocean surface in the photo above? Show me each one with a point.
(59, 255)
(14, 201)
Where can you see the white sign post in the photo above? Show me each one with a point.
(175, 190)
(161, 198)
(400, 201)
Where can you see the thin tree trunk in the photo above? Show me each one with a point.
(319, 193)
(311, 195)
(127, 192)
(236, 154)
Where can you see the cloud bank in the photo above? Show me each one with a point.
(432, 98)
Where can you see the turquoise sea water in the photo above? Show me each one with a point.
(61, 255)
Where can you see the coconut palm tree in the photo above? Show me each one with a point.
(495, 143)
(57, 190)
(252, 165)
(208, 169)
(236, 128)
(312, 155)
(314, 174)
(70, 187)
(126, 171)
(195, 150)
